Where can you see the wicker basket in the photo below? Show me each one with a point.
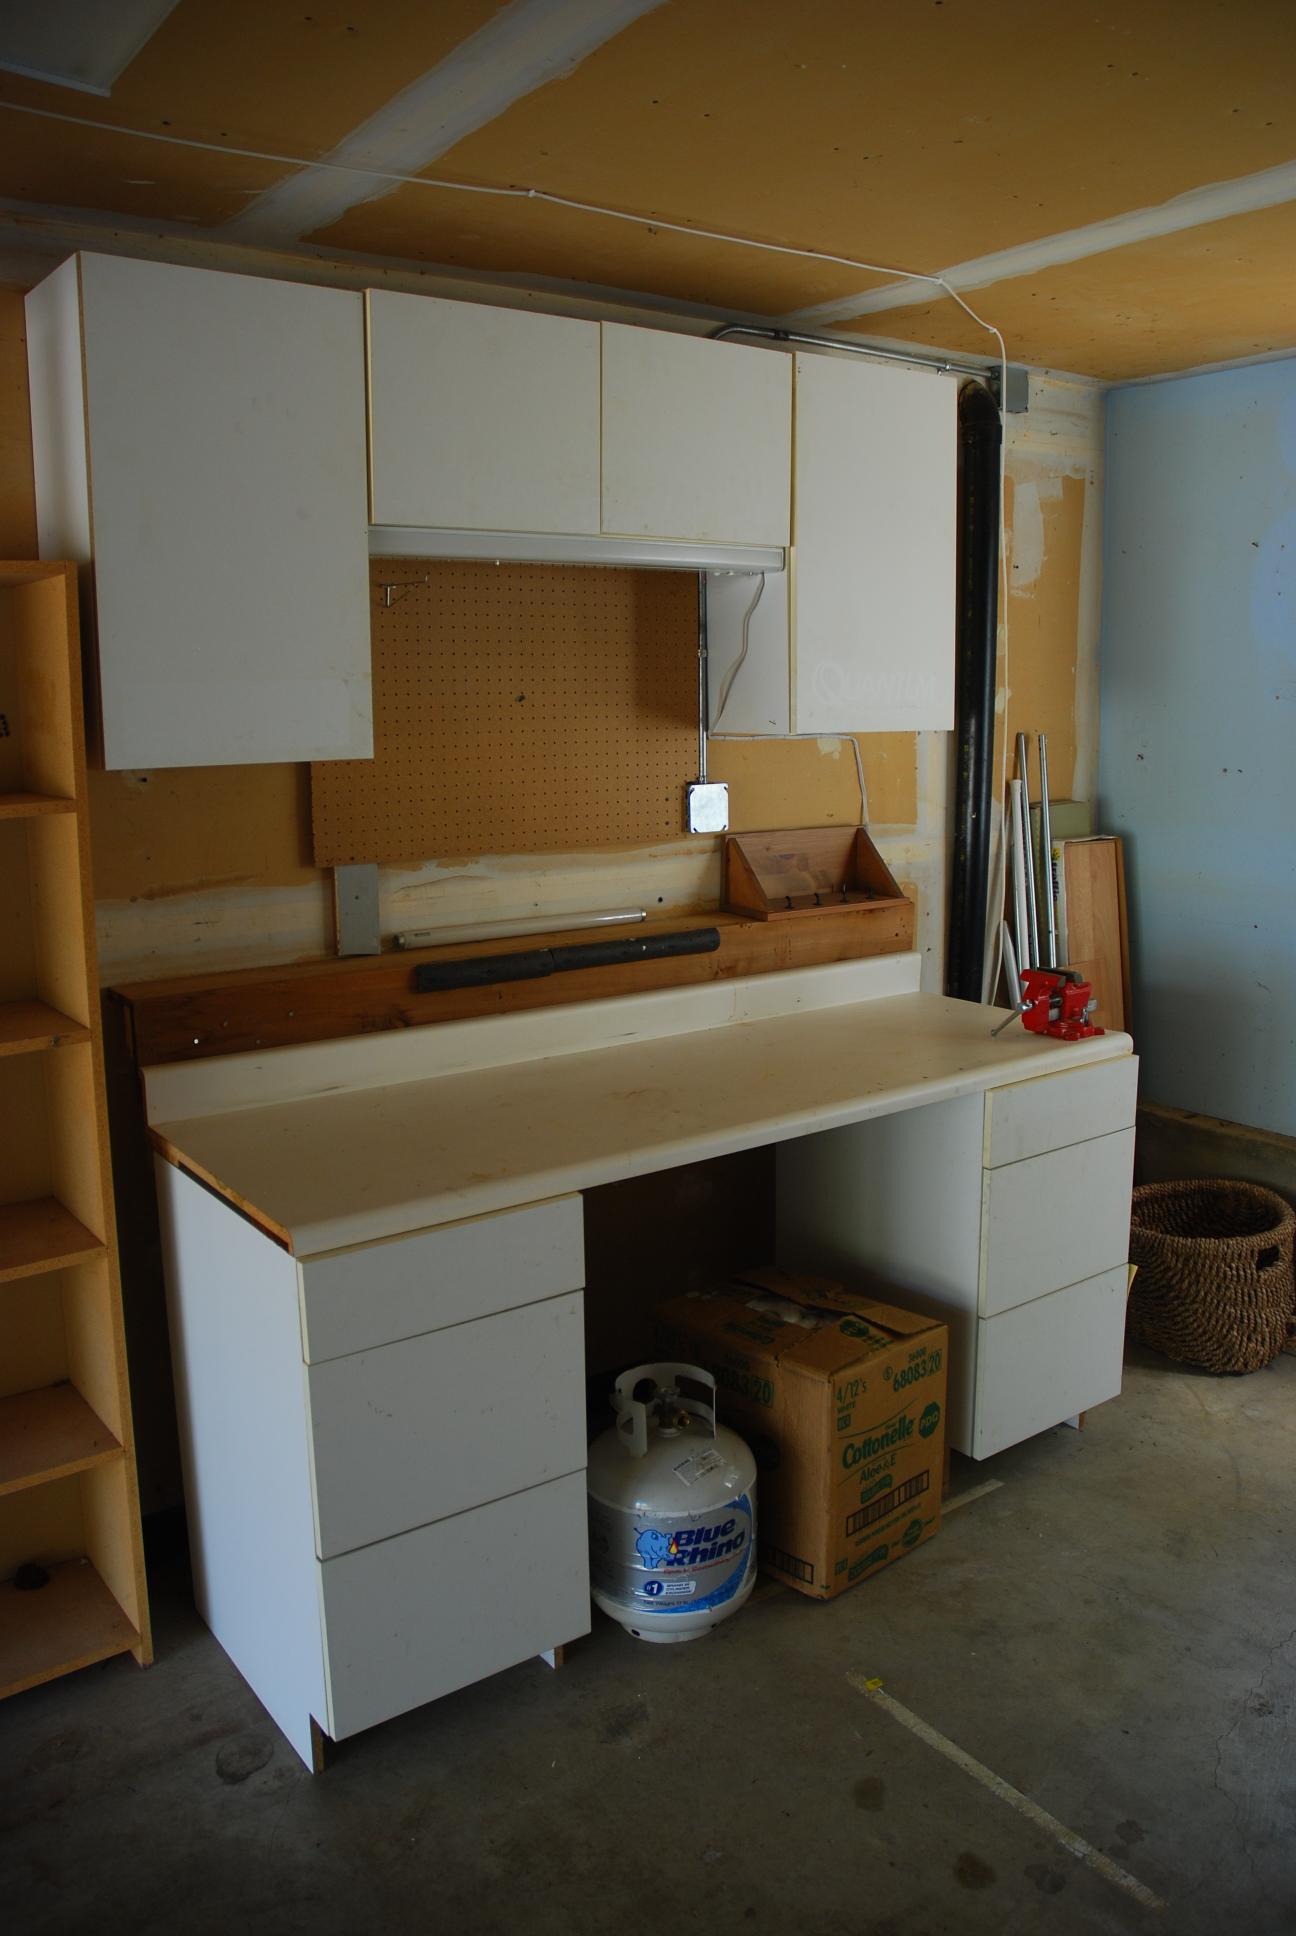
(1214, 1284)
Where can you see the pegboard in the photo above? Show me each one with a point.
(517, 709)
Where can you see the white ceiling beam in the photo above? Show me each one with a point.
(1269, 189)
(521, 48)
(83, 44)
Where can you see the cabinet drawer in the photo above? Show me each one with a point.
(414, 1618)
(1053, 1220)
(1048, 1360)
(1030, 1118)
(375, 1293)
(436, 1424)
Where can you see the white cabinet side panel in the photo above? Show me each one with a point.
(438, 1424)
(900, 1195)
(373, 1294)
(1052, 1220)
(873, 612)
(697, 438)
(755, 691)
(482, 419)
(416, 1617)
(57, 387)
(232, 1305)
(1054, 1111)
(1046, 1361)
(227, 450)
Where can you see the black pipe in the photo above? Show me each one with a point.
(976, 640)
(482, 971)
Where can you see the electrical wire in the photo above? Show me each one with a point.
(655, 225)
(516, 193)
(764, 739)
(737, 666)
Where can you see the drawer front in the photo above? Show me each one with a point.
(376, 1293)
(437, 1424)
(1048, 1360)
(416, 1617)
(1053, 1220)
(1030, 1118)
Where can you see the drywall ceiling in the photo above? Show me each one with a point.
(1115, 189)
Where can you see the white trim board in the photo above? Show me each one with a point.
(1213, 203)
(524, 46)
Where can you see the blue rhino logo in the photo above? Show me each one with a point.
(653, 1548)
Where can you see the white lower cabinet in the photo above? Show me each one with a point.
(374, 1529)
(1025, 1258)
(413, 1618)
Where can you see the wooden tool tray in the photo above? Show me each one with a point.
(809, 871)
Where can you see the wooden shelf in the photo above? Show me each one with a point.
(25, 1026)
(41, 1235)
(49, 1434)
(67, 1478)
(26, 806)
(71, 1623)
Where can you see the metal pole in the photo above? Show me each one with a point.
(976, 372)
(1046, 857)
(1018, 873)
(1032, 914)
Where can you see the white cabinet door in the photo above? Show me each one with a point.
(696, 438)
(434, 1425)
(873, 562)
(1051, 1220)
(1048, 1360)
(412, 1618)
(224, 418)
(1053, 1112)
(482, 419)
(372, 1294)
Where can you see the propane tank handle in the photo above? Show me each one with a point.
(632, 1412)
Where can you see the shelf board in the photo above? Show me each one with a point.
(25, 1026)
(71, 1623)
(26, 806)
(41, 1235)
(49, 1434)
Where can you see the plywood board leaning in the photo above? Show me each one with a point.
(1092, 926)
(517, 709)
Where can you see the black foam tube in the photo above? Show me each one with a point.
(482, 970)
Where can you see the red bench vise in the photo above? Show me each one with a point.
(1057, 1001)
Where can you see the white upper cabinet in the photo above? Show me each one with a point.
(696, 439)
(202, 435)
(482, 419)
(874, 563)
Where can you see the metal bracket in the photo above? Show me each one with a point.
(1016, 394)
(355, 903)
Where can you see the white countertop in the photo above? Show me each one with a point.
(346, 1143)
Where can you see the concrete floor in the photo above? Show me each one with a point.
(1112, 1631)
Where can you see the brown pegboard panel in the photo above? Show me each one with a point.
(517, 709)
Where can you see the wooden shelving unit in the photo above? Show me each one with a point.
(72, 1585)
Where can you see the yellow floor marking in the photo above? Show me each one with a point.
(1083, 1851)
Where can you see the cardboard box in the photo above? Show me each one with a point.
(842, 1400)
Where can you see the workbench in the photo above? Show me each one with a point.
(375, 1267)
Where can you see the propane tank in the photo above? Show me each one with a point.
(672, 1507)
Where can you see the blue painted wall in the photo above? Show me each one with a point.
(1197, 765)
